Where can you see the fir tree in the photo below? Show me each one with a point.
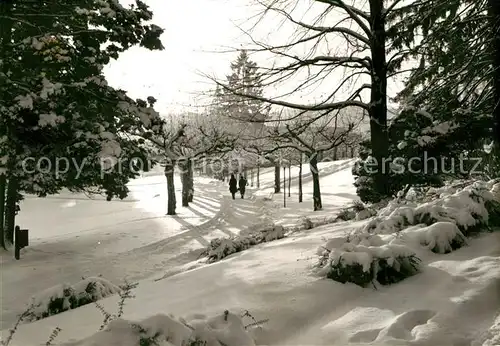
(247, 115)
(55, 100)
(448, 99)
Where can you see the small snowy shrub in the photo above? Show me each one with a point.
(365, 264)
(220, 248)
(493, 334)
(125, 293)
(357, 211)
(440, 237)
(64, 297)
(358, 206)
(277, 232)
(307, 223)
(364, 239)
(223, 247)
(365, 214)
(346, 214)
(469, 208)
(226, 329)
(493, 207)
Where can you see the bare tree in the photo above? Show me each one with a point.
(164, 136)
(358, 69)
(203, 137)
(313, 134)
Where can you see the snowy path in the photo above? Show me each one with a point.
(73, 236)
(125, 239)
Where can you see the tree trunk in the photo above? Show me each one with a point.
(6, 24)
(10, 210)
(494, 15)
(251, 177)
(335, 152)
(289, 178)
(3, 183)
(277, 178)
(190, 180)
(185, 184)
(171, 202)
(378, 106)
(352, 152)
(313, 162)
(258, 176)
(300, 179)
(284, 187)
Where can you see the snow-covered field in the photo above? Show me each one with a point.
(73, 236)
(452, 302)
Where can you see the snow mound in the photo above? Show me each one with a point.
(493, 334)
(59, 298)
(265, 194)
(441, 237)
(469, 208)
(367, 259)
(226, 329)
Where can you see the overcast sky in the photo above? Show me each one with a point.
(194, 28)
(191, 27)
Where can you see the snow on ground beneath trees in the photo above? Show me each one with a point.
(453, 301)
(73, 236)
(336, 185)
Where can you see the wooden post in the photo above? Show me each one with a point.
(21, 240)
(284, 187)
(17, 249)
(289, 178)
(300, 177)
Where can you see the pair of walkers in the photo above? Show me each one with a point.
(233, 186)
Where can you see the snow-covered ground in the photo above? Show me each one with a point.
(452, 302)
(73, 236)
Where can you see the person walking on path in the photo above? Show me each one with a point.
(242, 184)
(233, 186)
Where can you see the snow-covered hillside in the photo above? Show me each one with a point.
(453, 300)
(73, 236)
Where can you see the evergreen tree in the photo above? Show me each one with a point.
(448, 99)
(246, 79)
(247, 115)
(56, 107)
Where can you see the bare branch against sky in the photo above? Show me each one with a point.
(218, 28)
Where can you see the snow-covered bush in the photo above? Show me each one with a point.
(307, 223)
(469, 208)
(64, 297)
(493, 333)
(365, 214)
(277, 232)
(346, 214)
(440, 237)
(362, 265)
(220, 248)
(226, 329)
(366, 258)
(357, 211)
